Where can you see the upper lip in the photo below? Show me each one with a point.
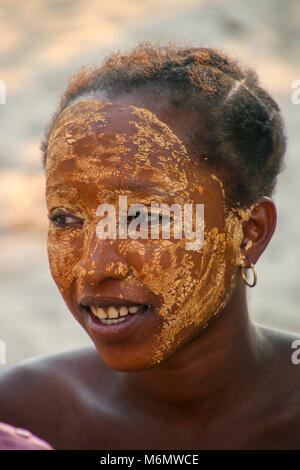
(107, 301)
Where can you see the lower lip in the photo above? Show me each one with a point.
(116, 331)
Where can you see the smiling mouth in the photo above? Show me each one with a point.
(112, 314)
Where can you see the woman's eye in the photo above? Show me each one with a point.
(64, 220)
(157, 218)
(133, 217)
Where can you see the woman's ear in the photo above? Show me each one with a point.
(259, 229)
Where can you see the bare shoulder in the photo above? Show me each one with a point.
(34, 392)
(286, 343)
(282, 386)
(283, 351)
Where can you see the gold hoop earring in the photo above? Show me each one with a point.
(254, 275)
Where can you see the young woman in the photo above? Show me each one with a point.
(177, 362)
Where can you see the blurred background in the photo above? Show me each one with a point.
(42, 44)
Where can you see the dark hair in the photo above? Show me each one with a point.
(244, 131)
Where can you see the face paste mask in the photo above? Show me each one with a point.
(96, 151)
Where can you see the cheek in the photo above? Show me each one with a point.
(167, 269)
(63, 253)
(194, 289)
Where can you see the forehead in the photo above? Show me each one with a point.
(93, 127)
(96, 141)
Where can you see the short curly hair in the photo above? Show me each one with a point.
(244, 130)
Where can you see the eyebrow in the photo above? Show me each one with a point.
(133, 186)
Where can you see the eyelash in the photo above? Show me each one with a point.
(149, 217)
(55, 218)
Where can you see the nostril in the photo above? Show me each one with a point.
(102, 273)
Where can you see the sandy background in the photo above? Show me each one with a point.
(42, 44)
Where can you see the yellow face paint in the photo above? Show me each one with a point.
(99, 150)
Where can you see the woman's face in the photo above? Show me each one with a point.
(97, 152)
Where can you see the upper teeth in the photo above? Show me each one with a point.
(114, 312)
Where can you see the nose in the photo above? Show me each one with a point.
(100, 260)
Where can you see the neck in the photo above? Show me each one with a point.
(221, 359)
